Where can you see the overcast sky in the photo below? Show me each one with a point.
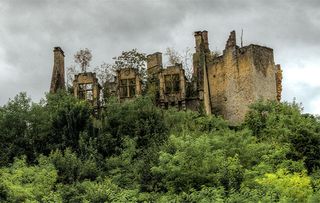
(29, 29)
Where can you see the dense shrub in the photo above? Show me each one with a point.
(58, 150)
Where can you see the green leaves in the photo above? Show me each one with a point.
(285, 186)
(197, 161)
(136, 152)
(21, 182)
(283, 123)
(131, 59)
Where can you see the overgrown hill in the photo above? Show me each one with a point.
(56, 151)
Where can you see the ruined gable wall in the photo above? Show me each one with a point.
(171, 70)
(240, 77)
(129, 73)
(86, 78)
(264, 73)
(231, 79)
(217, 85)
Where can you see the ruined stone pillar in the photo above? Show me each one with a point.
(205, 42)
(161, 87)
(154, 64)
(231, 40)
(206, 92)
(138, 85)
(279, 81)
(198, 40)
(57, 79)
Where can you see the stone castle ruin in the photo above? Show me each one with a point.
(222, 85)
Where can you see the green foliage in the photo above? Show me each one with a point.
(283, 123)
(69, 117)
(192, 161)
(186, 121)
(131, 59)
(138, 119)
(71, 168)
(136, 152)
(23, 127)
(284, 186)
(21, 183)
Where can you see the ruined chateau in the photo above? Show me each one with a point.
(222, 85)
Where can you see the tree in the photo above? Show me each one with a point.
(69, 117)
(105, 73)
(185, 59)
(131, 59)
(286, 187)
(71, 72)
(23, 183)
(173, 56)
(193, 161)
(83, 58)
(23, 125)
(284, 123)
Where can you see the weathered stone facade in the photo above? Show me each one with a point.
(57, 78)
(223, 85)
(170, 82)
(236, 79)
(129, 84)
(87, 87)
(172, 90)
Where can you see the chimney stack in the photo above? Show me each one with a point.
(57, 79)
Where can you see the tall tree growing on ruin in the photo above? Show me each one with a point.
(131, 59)
(173, 57)
(83, 58)
(105, 73)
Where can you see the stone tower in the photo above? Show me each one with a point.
(57, 80)
(240, 77)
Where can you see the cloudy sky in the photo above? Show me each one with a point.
(29, 29)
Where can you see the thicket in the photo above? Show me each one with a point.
(57, 151)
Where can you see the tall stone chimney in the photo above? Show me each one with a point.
(154, 63)
(201, 39)
(205, 41)
(198, 40)
(57, 79)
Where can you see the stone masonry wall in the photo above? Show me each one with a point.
(240, 77)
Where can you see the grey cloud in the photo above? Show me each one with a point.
(303, 93)
(29, 30)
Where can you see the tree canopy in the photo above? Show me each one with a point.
(56, 151)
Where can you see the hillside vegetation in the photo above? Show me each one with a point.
(56, 151)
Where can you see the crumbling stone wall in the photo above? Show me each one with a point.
(87, 87)
(172, 87)
(240, 77)
(154, 65)
(170, 82)
(57, 78)
(129, 83)
(223, 85)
